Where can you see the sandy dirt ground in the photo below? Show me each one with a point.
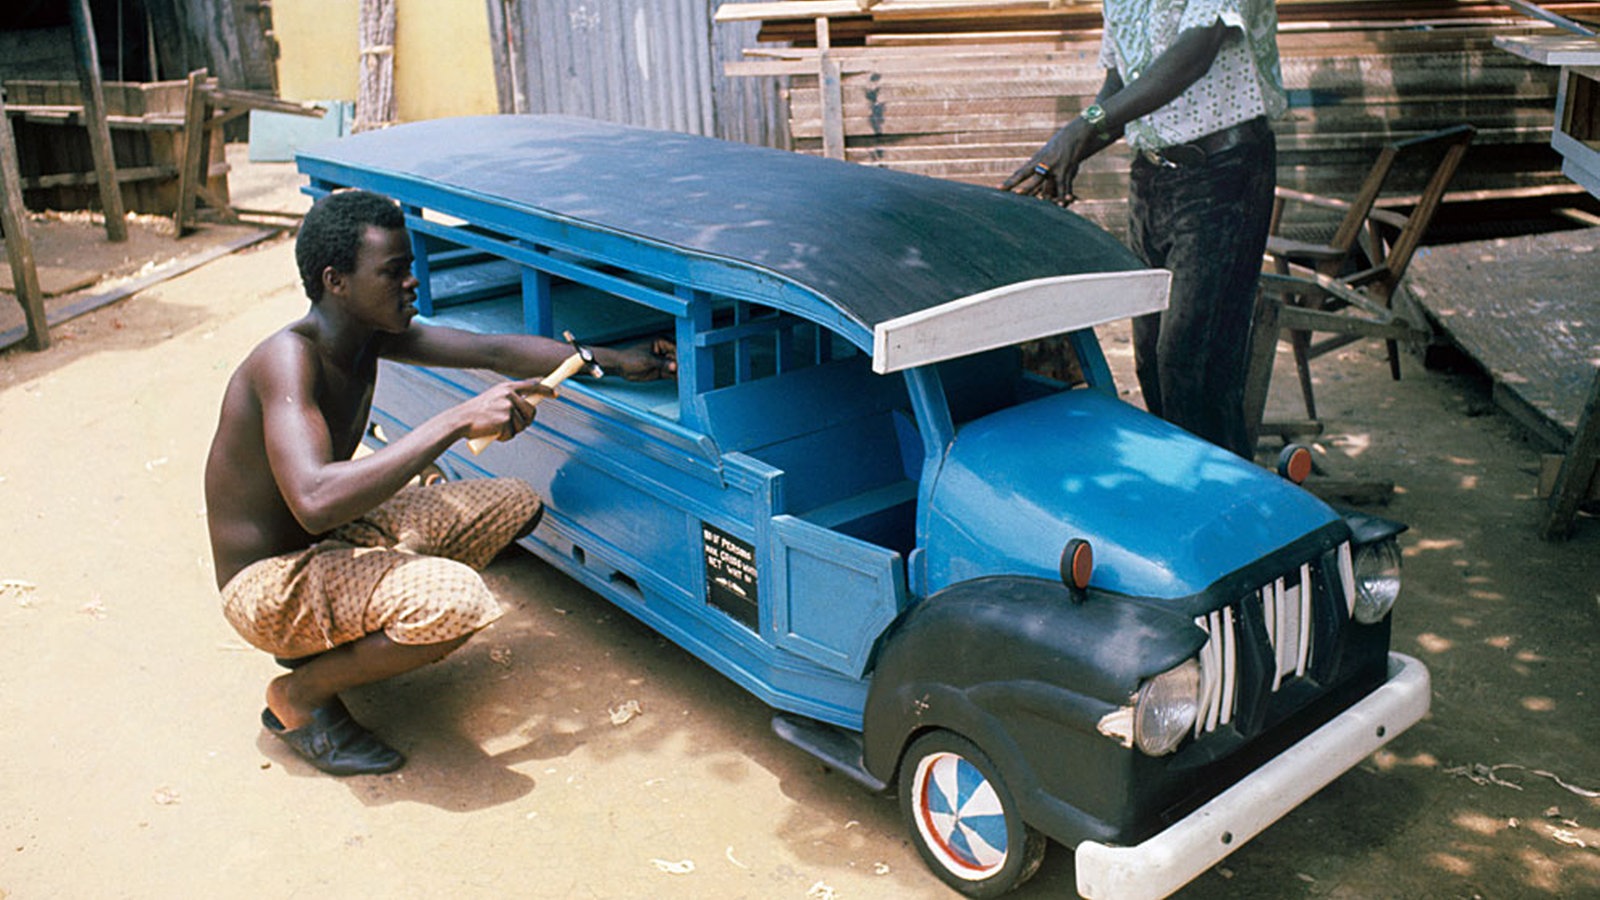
(132, 763)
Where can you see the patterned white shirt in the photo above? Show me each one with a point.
(1244, 82)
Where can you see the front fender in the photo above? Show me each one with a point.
(981, 657)
(1369, 529)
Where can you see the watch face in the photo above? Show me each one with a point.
(1095, 116)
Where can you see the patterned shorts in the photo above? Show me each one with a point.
(408, 569)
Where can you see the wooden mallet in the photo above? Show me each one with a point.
(581, 360)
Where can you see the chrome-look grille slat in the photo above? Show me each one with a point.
(1219, 664)
(1277, 616)
(1230, 664)
(1347, 578)
(1287, 612)
(1211, 675)
(1303, 650)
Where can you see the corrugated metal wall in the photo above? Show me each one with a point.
(653, 63)
(751, 110)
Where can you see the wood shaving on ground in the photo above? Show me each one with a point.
(1554, 812)
(158, 224)
(729, 854)
(1566, 837)
(166, 796)
(820, 891)
(1480, 774)
(16, 587)
(625, 713)
(681, 867)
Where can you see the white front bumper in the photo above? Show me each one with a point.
(1169, 860)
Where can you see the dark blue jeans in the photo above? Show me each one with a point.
(1207, 222)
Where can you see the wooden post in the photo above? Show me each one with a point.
(375, 107)
(192, 167)
(1578, 469)
(94, 118)
(832, 94)
(1258, 364)
(19, 250)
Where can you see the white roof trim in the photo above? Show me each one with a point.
(1017, 312)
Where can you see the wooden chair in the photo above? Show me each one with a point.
(1346, 286)
(201, 179)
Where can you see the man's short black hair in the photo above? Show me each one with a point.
(332, 231)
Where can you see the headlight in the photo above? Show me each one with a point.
(1166, 708)
(1377, 570)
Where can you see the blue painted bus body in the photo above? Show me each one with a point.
(806, 515)
(1167, 514)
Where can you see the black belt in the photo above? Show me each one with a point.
(1200, 149)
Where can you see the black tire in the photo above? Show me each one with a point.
(963, 818)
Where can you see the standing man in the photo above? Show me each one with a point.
(332, 563)
(1192, 85)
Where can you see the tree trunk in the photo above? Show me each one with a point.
(375, 103)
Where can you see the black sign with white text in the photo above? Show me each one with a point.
(732, 583)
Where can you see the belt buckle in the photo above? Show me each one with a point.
(1183, 155)
(1155, 158)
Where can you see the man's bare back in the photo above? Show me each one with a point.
(247, 515)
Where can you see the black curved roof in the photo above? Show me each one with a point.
(874, 243)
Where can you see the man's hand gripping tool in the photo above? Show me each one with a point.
(581, 360)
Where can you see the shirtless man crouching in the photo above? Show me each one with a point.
(334, 564)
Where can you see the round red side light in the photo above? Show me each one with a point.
(1077, 564)
(1294, 463)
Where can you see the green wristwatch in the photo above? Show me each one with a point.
(1096, 117)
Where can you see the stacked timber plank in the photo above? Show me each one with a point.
(146, 121)
(968, 89)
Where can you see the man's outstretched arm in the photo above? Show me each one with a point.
(1050, 171)
(324, 492)
(523, 355)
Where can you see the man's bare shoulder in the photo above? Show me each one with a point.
(288, 352)
(295, 339)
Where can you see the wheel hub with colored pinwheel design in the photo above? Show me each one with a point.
(968, 828)
(961, 817)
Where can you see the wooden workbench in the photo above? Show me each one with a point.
(1526, 310)
(1576, 136)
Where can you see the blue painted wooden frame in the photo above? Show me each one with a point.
(821, 675)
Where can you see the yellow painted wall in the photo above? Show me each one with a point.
(317, 48)
(443, 64)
